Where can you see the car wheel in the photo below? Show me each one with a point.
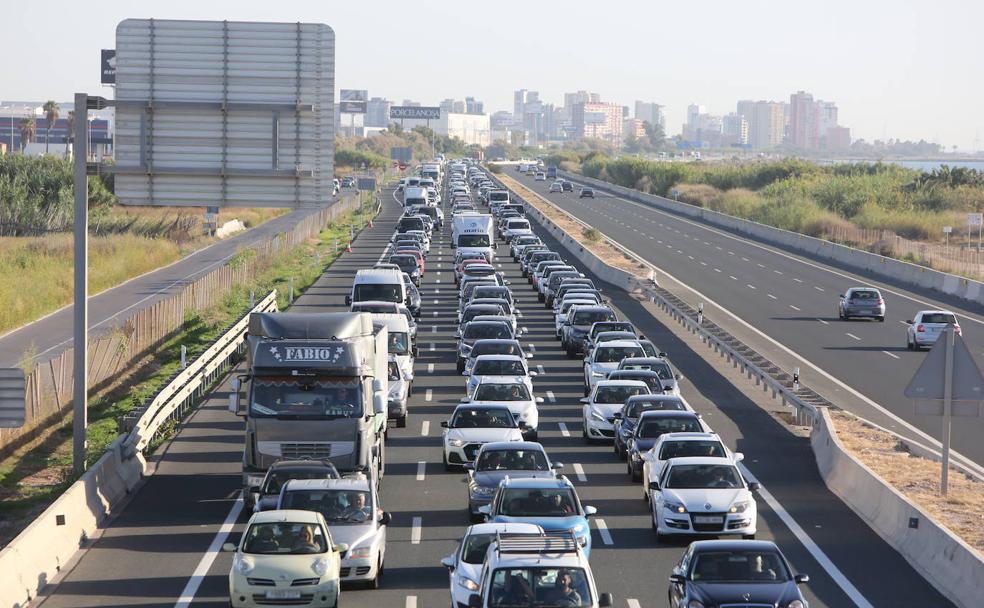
(881, 319)
(540, 297)
(748, 536)
(908, 344)
(461, 365)
(444, 458)
(401, 422)
(635, 475)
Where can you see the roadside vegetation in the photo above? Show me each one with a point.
(33, 477)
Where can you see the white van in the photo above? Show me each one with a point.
(378, 285)
(414, 195)
(400, 343)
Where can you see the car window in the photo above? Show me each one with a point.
(284, 538)
(495, 348)
(475, 548)
(483, 418)
(399, 343)
(343, 506)
(617, 394)
(512, 460)
(394, 371)
(613, 354)
(587, 317)
(499, 367)
(686, 449)
(938, 317)
(612, 326)
(489, 331)
(863, 295)
(737, 566)
(703, 476)
(276, 479)
(636, 408)
(537, 502)
(654, 427)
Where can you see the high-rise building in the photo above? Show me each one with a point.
(766, 122)
(572, 99)
(633, 127)
(693, 114)
(597, 120)
(734, 127)
(473, 106)
(651, 113)
(378, 112)
(452, 106)
(519, 105)
(827, 114)
(804, 122)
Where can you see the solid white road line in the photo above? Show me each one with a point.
(191, 588)
(631, 603)
(892, 355)
(551, 397)
(579, 471)
(412, 602)
(563, 429)
(415, 530)
(425, 428)
(429, 394)
(855, 337)
(430, 368)
(421, 465)
(606, 536)
(846, 586)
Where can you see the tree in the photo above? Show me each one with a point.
(28, 129)
(655, 135)
(50, 115)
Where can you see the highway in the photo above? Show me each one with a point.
(793, 300)
(162, 549)
(52, 334)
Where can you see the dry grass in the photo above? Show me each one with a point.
(962, 511)
(603, 247)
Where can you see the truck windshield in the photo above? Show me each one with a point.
(306, 397)
(378, 292)
(399, 343)
(473, 240)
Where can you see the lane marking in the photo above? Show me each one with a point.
(703, 263)
(579, 471)
(750, 286)
(430, 368)
(818, 288)
(551, 397)
(717, 270)
(425, 428)
(798, 280)
(892, 355)
(733, 277)
(855, 337)
(777, 271)
(533, 349)
(822, 321)
(563, 429)
(433, 347)
(205, 564)
(761, 265)
(434, 329)
(421, 465)
(540, 371)
(632, 603)
(436, 302)
(415, 530)
(412, 602)
(437, 290)
(846, 586)
(606, 536)
(435, 312)
(772, 296)
(794, 308)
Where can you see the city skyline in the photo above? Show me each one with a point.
(893, 71)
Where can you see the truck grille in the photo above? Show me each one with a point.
(305, 450)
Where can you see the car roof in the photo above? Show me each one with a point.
(481, 405)
(345, 483)
(498, 341)
(560, 482)
(512, 526)
(702, 460)
(596, 308)
(619, 343)
(503, 379)
(654, 396)
(499, 358)
(732, 544)
(690, 436)
(640, 360)
(607, 383)
(285, 515)
(514, 445)
(377, 275)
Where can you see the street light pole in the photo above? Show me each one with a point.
(81, 308)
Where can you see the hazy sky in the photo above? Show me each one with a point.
(895, 68)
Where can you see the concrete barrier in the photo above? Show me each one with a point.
(854, 259)
(943, 559)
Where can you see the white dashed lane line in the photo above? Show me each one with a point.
(551, 397)
(772, 296)
(415, 530)
(421, 466)
(563, 429)
(540, 371)
(579, 471)
(606, 536)
(429, 394)
(818, 288)
(631, 603)
(425, 428)
(794, 308)
(412, 602)
(798, 280)
(892, 355)
(732, 277)
(855, 337)
(750, 286)
(433, 347)
(430, 368)
(822, 321)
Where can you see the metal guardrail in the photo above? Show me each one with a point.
(173, 400)
(764, 372)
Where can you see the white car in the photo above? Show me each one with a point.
(496, 365)
(927, 326)
(465, 564)
(351, 509)
(557, 187)
(471, 426)
(702, 496)
(517, 226)
(605, 358)
(606, 398)
(560, 312)
(291, 546)
(540, 176)
(681, 445)
(514, 392)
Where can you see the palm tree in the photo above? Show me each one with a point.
(28, 128)
(50, 115)
(71, 130)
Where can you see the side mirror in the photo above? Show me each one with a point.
(229, 547)
(341, 548)
(617, 415)
(444, 424)
(485, 510)
(385, 518)
(654, 485)
(448, 562)
(523, 331)
(801, 578)
(754, 486)
(253, 490)
(465, 373)
(909, 321)
(739, 456)
(584, 400)
(523, 425)
(589, 511)
(539, 399)
(605, 600)
(556, 466)
(678, 579)
(415, 351)
(379, 403)
(528, 355)
(474, 601)
(678, 376)
(348, 300)
(468, 466)
(532, 374)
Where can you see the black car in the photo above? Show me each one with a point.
(625, 420)
(264, 496)
(586, 193)
(567, 186)
(735, 572)
(498, 460)
(651, 426)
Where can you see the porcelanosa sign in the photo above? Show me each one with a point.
(430, 113)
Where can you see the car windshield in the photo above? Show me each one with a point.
(685, 449)
(587, 317)
(499, 367)
(496, 348)
(614, 354)
(394, 371)
(637, 407)
(486, 331)
(611, 336)
(473, 240)
(475, 548)
(478, 270)
(483, 418)
(939, 317)
(739, 566)
(663, 369)
(501, 392)
(864, 295)
(518, 225)
(306, 397)
(485, 291)
(337, 506)
(276, 479)
(284, 538)
(399, 343)
(651, 380)
(652, 428)
(537, 502)
(703, 476)
(379, 292)
(484, 309)
(612, 326)
(512, 460)
(617, 394)
(407, 263)
(540, 587)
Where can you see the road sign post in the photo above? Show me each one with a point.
(946, 232)
(80, 345)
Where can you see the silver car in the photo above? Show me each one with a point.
(861, 302)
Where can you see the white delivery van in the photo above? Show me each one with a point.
(400, 344)
(472, 232)
(378, 285)
(414, 195)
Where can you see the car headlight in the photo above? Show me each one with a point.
(674, 507)
(595, 374)
(360, 553)
(415, 273)
(456, 443)
(596, 416)
(467, 583)
(483, 491)
(320, 566)
(694, 604)
(740, 507)
(577, 529)
(244, 565)
(796, 604)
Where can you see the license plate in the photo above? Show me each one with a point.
(283, 594)
(704, 519)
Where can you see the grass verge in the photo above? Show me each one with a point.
(33, 477)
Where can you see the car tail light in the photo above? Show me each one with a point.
(956, 328)
(881, 302)
(920, 328)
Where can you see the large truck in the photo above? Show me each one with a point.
(472, 232)
(317, 388)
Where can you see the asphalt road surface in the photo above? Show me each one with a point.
(793, 300)
(162, 550)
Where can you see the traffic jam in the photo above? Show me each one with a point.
(317, 518)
